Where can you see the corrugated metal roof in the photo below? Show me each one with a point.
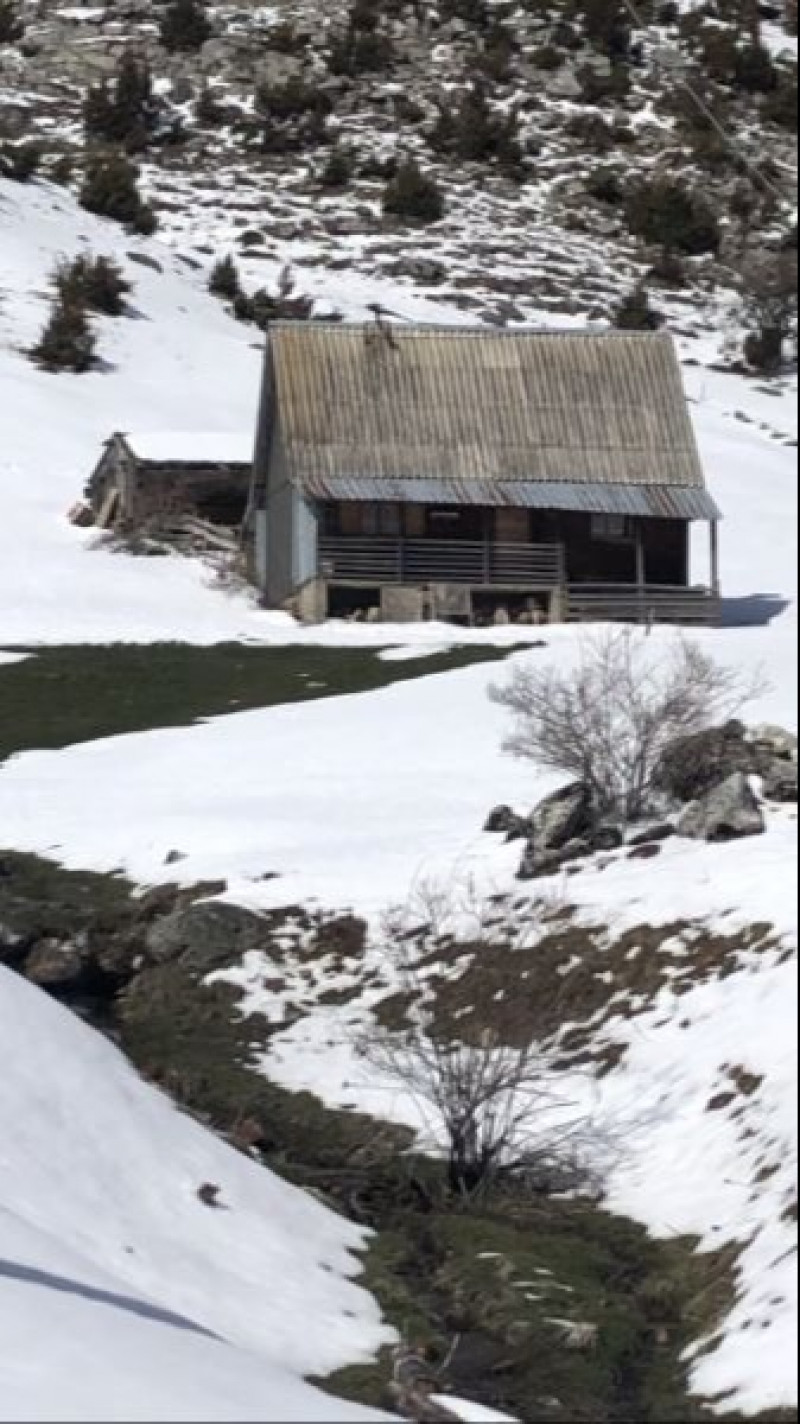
(645, 501)
(464, 408)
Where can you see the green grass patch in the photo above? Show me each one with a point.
(505, 1281)
(59, 696)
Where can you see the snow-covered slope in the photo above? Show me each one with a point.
(178, 362)
(121, 1294)
(349, 800)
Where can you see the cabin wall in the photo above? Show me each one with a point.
(213, 492)
(291, 533)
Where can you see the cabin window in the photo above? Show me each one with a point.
(612, 528)
(382, 519)
(454, 522)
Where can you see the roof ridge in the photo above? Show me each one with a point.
(444, 329)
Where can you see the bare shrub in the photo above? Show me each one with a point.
(493, 1110)
(607, 720)
(770, 311)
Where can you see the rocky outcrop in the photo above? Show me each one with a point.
(207, 933)
(726, 812)
(693, 765)
(558, 831)
(561, 817)
(508, 244)
(536, 861)
(704, 787)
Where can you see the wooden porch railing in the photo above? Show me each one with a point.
(418, 561)
(649, 603)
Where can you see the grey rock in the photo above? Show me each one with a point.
(424, 270)
(58, 964)
(561, 83)
(561, 817)
(724, 813)
(208, 934)
(779, 781)
(505, 822)
(535, 862)
(692, 766)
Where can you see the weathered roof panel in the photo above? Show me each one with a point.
(645, 501)
(461, 406)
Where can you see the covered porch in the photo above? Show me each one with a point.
(576, 565)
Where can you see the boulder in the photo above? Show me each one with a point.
(57, 964)
(724, 813)
(779, 781)
(502, 821)
(546, 862)
(562, 83)
(561, 817)
(692, 765)
(209, 933)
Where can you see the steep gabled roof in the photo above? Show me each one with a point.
(564, 419)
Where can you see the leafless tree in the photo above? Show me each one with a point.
(607, 719)
(492, 1108)
(769, 286)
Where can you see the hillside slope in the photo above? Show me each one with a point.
(179, 362)
(277, 138)
(350, 802)
(122, 1295)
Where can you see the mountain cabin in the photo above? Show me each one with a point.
(405, 472)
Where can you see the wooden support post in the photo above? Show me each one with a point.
(714, 533)
(640, 573)
(558, 603)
